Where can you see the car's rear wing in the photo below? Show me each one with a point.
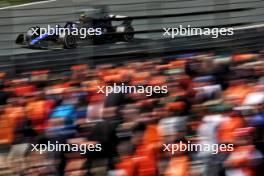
(125, 19)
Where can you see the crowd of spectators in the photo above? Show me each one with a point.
(211, 99)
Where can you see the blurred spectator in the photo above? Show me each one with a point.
(210, 99)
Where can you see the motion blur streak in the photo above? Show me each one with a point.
(214, 92)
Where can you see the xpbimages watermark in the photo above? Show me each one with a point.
(192, 31)
(190, 147)
(58, 147)
(74, 30)
(126, 89)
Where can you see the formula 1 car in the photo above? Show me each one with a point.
(34, 39)
(102, 31)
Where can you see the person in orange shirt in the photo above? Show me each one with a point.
(179, 164)
(142, 161)
(144, 154)
(22, 90)
(227, 128)
(38, 110)
(7, 127)
(13, 114)
(246, 158)
(237, 92)
(126, 165)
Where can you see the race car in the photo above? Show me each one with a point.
(109, 32)
(35, 39)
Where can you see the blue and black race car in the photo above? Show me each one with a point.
(34, 38)
(102, 30)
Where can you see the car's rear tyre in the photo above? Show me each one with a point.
(70, 42)
(20, 39)
(129, 36)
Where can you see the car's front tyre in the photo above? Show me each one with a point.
(70, 42)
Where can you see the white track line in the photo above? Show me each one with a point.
(250, 27)
(27, 4)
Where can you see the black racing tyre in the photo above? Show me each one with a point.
(70, 42)
(20, 39)
(130, 35)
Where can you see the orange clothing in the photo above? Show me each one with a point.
(237, 93)
(38, 111)
(145, 162)
(24, 90)
(178, 166)
(127, 165)
(240, 159)
(142, 163)
(8, 123)
(243, 57)
(178, 63)
(179, 105)
(79, 67)
(226, 129)
(157, 81)
(14, 114)
(151, 135)
(7, 127)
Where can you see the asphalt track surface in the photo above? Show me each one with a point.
(227, 12)
(15, 59)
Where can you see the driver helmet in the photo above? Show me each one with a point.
(83, 18)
